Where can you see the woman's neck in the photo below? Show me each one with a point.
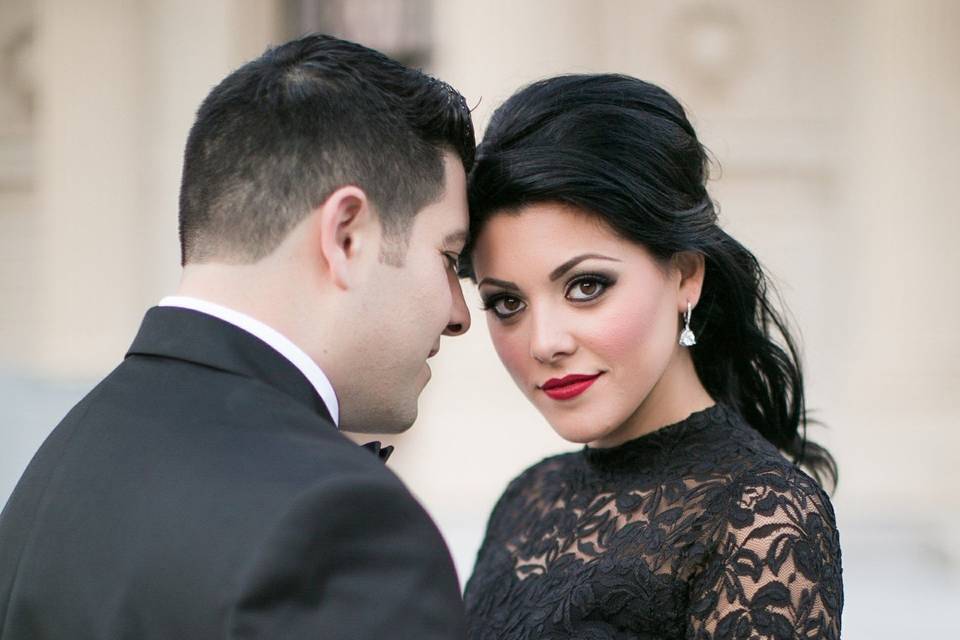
(676, 395)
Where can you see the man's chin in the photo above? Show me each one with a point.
(397, 419)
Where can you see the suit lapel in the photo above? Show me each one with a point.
(192, 336)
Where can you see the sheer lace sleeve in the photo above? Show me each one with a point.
(775, 572)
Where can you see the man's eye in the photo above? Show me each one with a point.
(586, 289)
(453, 260)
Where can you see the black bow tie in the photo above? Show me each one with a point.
(380, 451)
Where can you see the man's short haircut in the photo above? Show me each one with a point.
(280, 134)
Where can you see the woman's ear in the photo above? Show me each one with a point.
(344, 231)
(691, 267)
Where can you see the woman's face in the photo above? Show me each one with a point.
(585, 322)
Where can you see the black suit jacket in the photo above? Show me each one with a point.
(202, 491)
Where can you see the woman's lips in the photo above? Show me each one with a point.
(569, 386)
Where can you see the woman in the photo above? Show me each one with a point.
(643, 331)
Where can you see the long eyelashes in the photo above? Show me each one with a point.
(503, 305)
(588, 287)
(584, 288)
(453, 261)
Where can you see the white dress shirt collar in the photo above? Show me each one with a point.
(272, 337)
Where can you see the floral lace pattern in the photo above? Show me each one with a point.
(699, 530)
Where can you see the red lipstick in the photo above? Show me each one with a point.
(568, 386)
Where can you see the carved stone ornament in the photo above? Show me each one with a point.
(709, 44)
(17, 83)
(399, 28)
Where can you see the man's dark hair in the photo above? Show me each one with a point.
(280, 134)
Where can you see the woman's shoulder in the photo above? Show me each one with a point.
(747, 488)
(769, 503)
(780, 490)
(746, 456)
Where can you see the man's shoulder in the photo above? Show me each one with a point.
(168, 424)
(238, 415)
(155, 478)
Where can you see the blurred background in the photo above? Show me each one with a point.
(836, 126)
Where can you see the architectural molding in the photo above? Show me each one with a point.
(17, 95)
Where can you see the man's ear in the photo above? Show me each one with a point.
(692, 269)
(347, 229)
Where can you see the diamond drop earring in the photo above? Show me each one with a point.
(687, 339)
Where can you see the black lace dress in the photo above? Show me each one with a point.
(701, 529)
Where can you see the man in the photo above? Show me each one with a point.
(203, 490)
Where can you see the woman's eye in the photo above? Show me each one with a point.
(586, 289)
(506, 306)
(453, 261)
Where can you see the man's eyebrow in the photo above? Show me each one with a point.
(454, 238)
(572, 262)
(503, 284)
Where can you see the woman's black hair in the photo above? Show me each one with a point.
(624, 150)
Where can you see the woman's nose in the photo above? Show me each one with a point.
(550, 340)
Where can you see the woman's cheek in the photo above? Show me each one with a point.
(510, 349)
(623, 329)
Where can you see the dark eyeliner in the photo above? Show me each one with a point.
(489, 303)
(605, 281)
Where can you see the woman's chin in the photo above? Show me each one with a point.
(579, 433)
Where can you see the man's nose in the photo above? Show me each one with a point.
(459, 314)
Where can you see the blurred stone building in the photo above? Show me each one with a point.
(835, 126)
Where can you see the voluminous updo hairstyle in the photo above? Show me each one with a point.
(624, 150)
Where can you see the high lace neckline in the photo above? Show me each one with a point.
(700, 529)
(651, 444)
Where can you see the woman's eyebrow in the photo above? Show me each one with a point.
(572, 262)
(503, 284)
